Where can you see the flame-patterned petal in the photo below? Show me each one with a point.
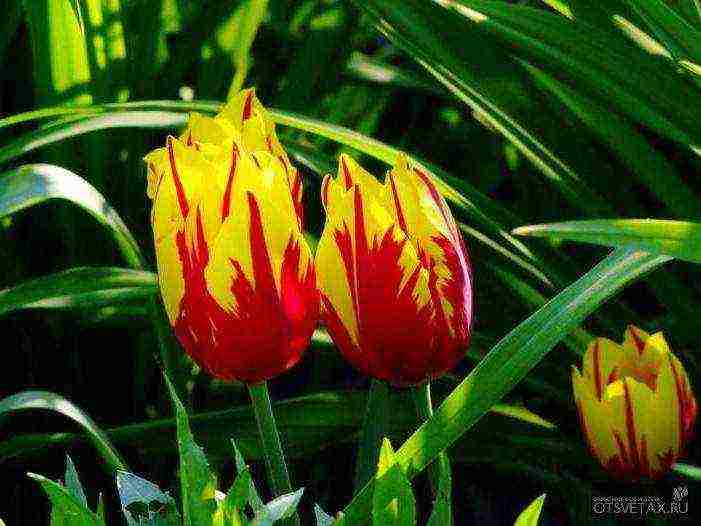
(234, 270)
(397, 305)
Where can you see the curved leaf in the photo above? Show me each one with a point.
(679, 239)
(79, 288)
(47, 401)
(33, 184)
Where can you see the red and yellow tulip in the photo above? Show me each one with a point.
(635, 404)
(235, 272)
(393, 273)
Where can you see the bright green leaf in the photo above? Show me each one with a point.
(531, 515)
(393, 502)
(197, 481)
(679, 239)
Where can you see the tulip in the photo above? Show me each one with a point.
(234, 270)
(393, 274)
(635, 404)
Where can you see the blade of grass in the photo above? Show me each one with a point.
(480, 208)
(236, 36)
(648, 164)
(79, 288)
(679, 239)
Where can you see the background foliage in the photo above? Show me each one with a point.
(529, 112)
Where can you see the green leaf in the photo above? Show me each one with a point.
(61, 131)
(73, 484)
(236, 36)
(322, 518)
(531, 515)
(278, 509)
(508, 363)
(442, 514)
(66, 509)
(12, 16)
(254, 499)
(417, 28)
(393, 502)
(239, 495)
(33, 184)
(47, 401)
(682, 38)
(78, 11)
(689, 471)
(197, 481)
(142, 500)
(679, 239)
(482, 210)
(648, 164)
(82, 288)
(622, 76)
(61, 66)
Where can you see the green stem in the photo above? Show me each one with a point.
(374, 430)
(439, 472)
(272, 448)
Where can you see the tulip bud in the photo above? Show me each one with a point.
(393, 273)
(234, 270)
(635, 404)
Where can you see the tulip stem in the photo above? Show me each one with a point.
(272, 448)
(439, 471)
(374, 430)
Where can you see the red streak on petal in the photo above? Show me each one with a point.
(637, 340)
(398, 205)
(645, 470)
(247, 107)
(268, 331)
(630, 429)
(182, 199)
(262, 267)
(398, 340)
(325, 190)
(189, 138)
(622, 450)
(596, 358)
(347, 179)
(345, 247)
(296, 190)
(226, 202)
(687, 407)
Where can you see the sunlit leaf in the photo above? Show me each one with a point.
(679, 239)
(531, 515)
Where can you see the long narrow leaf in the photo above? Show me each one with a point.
(33, 184)
(79, 288)
(47, 401)
(679, 239)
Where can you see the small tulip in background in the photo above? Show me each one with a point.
(235, 273)
(393, 273)
(635, 404)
